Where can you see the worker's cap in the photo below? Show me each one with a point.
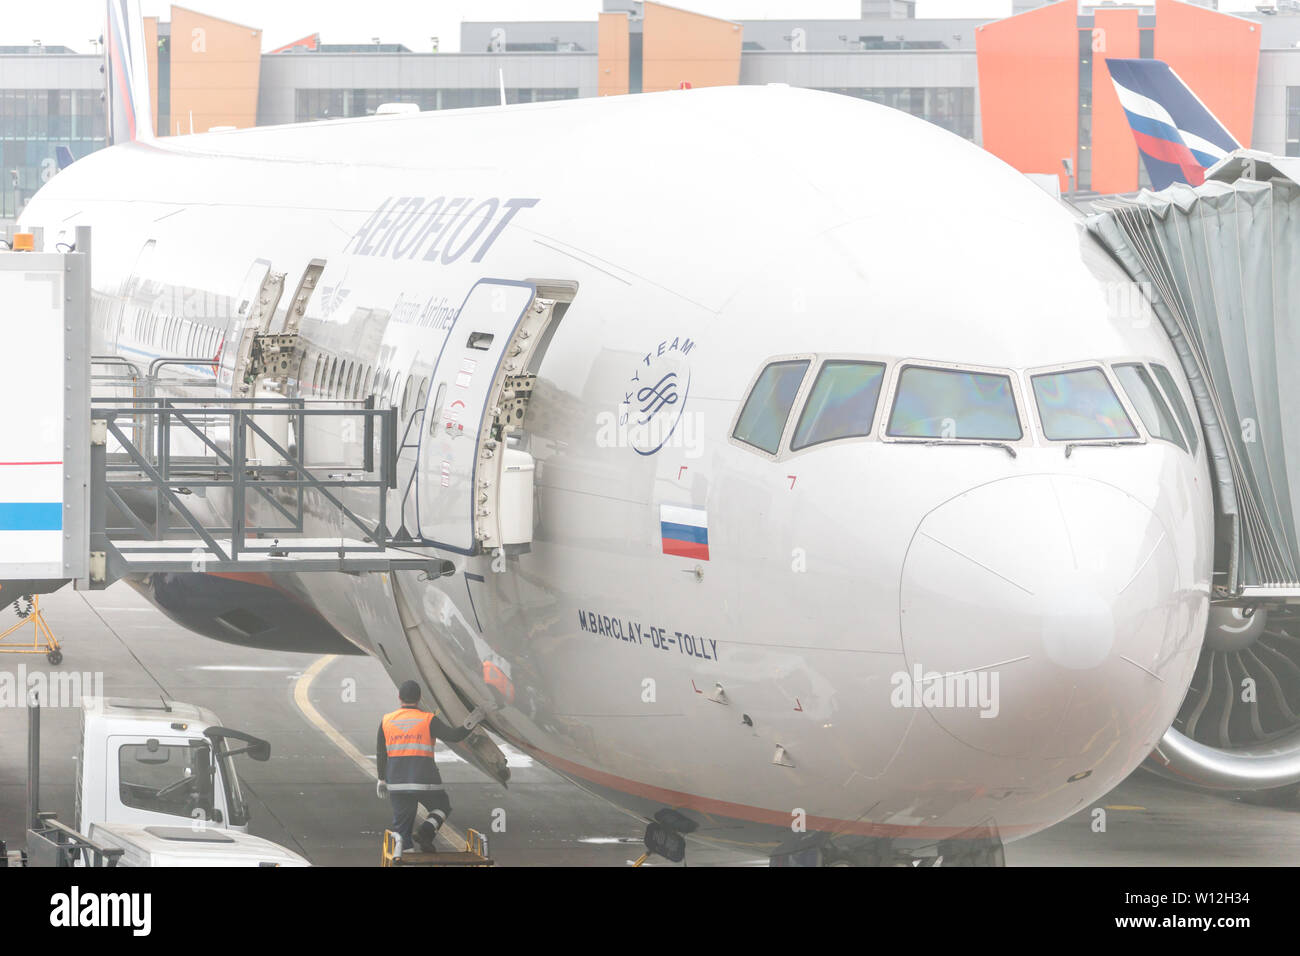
(409, 692)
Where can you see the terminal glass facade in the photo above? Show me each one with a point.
(33, 124)
(952, 107)
(339, 104)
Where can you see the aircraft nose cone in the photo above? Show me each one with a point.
(1053, 601)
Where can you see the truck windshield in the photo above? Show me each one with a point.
(166, 778)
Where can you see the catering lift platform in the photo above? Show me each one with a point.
(113, 474)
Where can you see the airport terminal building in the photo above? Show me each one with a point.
(1031, 88)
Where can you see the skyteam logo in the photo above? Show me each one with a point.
(653, 406)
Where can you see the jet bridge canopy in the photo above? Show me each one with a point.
(1220, 264)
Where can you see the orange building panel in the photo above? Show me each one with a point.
(1114, 151)
(1217, 56)
(613, 54)
(680, 47)
(1029, 88)
(216, 67)
(151, 51)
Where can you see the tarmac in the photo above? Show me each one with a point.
(316, 795)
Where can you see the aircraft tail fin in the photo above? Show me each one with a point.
(64, 156)
(1177, 135)
(126, 68)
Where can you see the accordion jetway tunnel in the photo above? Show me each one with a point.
(1220, 265)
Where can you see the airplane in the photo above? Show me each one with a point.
(1177, 135)
(864, 519)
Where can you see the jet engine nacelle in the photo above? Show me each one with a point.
(247, 610)
(1239, 726)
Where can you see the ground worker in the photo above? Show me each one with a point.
(408, 775)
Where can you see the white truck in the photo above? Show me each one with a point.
(185, 846)
(156, 786)
(160, 762)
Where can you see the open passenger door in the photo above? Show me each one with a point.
(479, 391)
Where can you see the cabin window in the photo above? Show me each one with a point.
(406, 395)
(1151, 408)
(1080, 405)
(1175, 397)
(842, 403)
(762, 422)
(954, 404)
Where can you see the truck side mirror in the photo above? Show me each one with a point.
(257, 749)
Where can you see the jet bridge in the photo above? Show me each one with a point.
(135, 480)
(1220, 264)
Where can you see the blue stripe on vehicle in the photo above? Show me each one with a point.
(25, 516)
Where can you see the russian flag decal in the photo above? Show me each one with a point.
(685, 531)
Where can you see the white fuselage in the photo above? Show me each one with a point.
(755, 223)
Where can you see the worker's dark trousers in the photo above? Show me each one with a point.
(405, 803)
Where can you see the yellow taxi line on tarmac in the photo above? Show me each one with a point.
(301, 699)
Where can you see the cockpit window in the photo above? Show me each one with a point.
(1080, 405)
(1167, 382)
(954, 404)
(1151, 408)
(842, 403)
(763, 421)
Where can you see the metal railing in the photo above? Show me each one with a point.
(51, 843)
(149, 431)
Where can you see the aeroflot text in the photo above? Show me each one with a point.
(961, 689)
(441, 229)
(102, 909)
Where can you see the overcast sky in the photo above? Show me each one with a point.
(73, 23)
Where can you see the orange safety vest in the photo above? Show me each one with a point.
(406, 733)
(409, 746)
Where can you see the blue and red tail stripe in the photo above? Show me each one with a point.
(130, 108)
(1177, 136)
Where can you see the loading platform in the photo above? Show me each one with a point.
(131, 472)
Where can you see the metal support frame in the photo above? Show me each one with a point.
(147, 468)
(51, 843)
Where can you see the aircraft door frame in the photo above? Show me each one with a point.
(462, 443)
(256, 302)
